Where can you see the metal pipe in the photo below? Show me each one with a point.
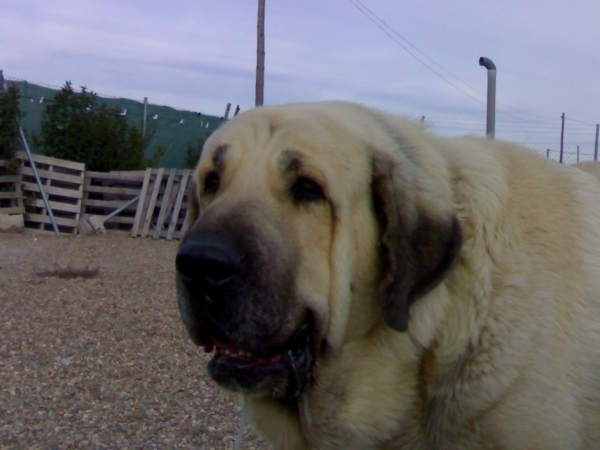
(121, 208)
(39, 183)
(490, 128)
(145, 114)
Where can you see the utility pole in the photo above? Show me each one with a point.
(260, 54)
(562, 137)
(227, 109)
(596, 143)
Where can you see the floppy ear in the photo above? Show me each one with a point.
(420, 235)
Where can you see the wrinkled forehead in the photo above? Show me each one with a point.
(288, 141)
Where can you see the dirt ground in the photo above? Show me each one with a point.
(102, 362)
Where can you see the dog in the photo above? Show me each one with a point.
(367, 285)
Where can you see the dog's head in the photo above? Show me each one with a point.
(309, 225)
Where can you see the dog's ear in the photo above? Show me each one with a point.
(420, 235)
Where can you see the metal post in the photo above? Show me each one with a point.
(578, 153)
(39, 183)
(562, 137)
(490, 127)
(145, 112)
(260, 54)
(227, 109)
(596, 143)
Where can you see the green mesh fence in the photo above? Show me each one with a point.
(171, 127)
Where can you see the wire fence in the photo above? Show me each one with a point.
(170, 122)
(571, 153)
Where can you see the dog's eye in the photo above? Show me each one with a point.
(306, 190)
(211, 183)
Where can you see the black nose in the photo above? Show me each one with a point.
(208, 260)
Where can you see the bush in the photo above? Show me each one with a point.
(78, 127)
(10, 114)
(192, 154)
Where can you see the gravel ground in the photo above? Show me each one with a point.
(102, 362)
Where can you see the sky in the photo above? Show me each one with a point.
(414, 58)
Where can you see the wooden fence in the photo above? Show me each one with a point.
(75, 195)
(105, 192)
(163, 212)
(11, 195)
(63, 184)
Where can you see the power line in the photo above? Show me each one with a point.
(580, 121)
(362, 5)
(354, 2)
(371, 15)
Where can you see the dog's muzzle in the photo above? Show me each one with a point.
(229, 306)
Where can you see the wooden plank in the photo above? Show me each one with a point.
(153, 197)
(11, 195)
(43, 219)
(125, 177)
(79, 200)
(46, 182)
(142, 201)
(109, 204)
(74, 179)
(42, 159)
(166, 204)
(184, 227)
(112, 190)
(134, 173)
(57, 206)
(177, 206)
(12, 210)
(69, 193)
(10, 178)
(86, 185)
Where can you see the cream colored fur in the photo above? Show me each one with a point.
(503, 354)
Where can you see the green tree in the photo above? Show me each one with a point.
(78, 127)
(9, 127)
(192, 154)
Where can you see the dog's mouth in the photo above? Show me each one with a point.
(282, 374)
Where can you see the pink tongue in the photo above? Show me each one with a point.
(226, 345)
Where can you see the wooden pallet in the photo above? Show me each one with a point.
(162, 212)
(11, 196)
(63, 184)
(105, 192)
